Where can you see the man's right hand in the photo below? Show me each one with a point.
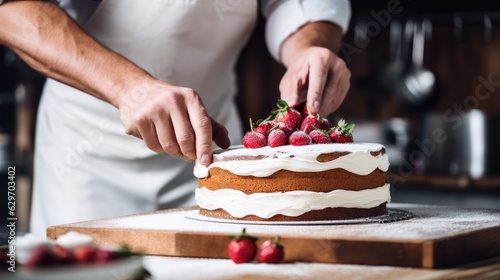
(171, 119)
(167, 118)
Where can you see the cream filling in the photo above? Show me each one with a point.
(293, 203)
(360, 163)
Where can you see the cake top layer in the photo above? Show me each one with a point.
(262, 162)
(316, 149)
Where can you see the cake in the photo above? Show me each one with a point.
(295, 183)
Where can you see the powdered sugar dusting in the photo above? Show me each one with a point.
(429, 222)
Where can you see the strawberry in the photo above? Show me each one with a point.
(305, 112)
(310, 123)
(271, 251)
(41, 256)
(4, 259)
(105, 255)
(342, 133)
(252, 139)
(263, 127)
(63, 254)
(320, 137)
(325, 124)
(277, 138)
(301, 106)
(299, 138)
(288, 131)
(287, 115)
(242, 248)
(85, 254)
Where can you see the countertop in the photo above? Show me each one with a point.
(440, 221)
(458, 220)
(197, 268)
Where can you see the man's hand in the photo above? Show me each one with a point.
(166, 117)
(313, 65)
(171, 119)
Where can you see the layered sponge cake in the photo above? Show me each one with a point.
(295, 183)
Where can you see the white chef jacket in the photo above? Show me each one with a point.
(283, 16)
(86, 167)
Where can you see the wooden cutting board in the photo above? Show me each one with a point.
(435, 237)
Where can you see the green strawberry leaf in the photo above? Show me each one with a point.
(282, 104)
(259, 121)
(341, 123)
(242, 235)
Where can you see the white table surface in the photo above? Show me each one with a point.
(196, 268)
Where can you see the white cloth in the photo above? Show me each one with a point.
(86, 167)
(284, 17)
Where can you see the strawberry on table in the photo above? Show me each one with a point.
(41, 256)
(271, 251)
(85, 254)
(342, 133)
(63, 254)
(242, 248)
(105, 255)
(299, 138)
(287, 115)
(252, 139)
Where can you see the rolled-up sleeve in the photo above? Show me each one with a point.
(284, 17)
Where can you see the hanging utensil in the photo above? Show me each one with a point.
(487, 28)
(417, 85)
(389, 71)
(457, 27)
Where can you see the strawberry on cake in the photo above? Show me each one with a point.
(307, 172)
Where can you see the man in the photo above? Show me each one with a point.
(161, 71)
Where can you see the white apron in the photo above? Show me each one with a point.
(86, 167)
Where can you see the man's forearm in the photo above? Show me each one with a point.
(52, 43)
(314, 34)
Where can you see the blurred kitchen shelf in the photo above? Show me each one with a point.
(458, 197)
(427, 6)
(447, 181)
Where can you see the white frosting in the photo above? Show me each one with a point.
(74, 239)
(298, 159)
(293, 203)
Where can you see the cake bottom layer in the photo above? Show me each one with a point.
(327, 214)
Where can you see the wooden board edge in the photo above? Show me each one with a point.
(462, 248)
(423, 253)
(299, 249)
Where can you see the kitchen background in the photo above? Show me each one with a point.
(439, 119)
